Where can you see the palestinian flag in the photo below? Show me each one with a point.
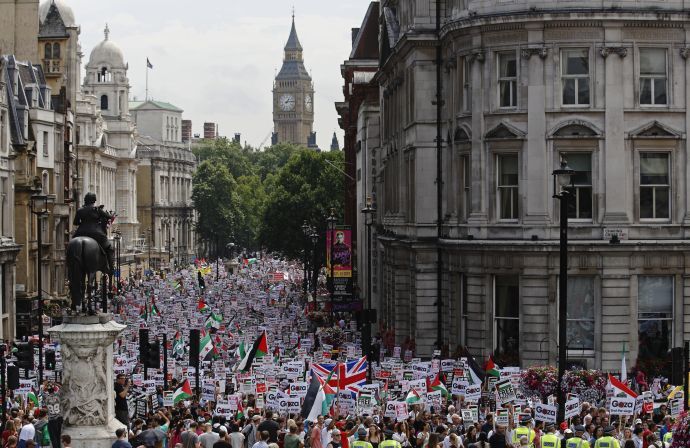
(183, 393)
(201, 306)
(492, 369)
(144, 312)
(154, 309)
(241, 351)
(258, 350)
(239, 330)
(437, 384)
(413, 397)
(276, 355)
(178, 345)
(313, 404)
(205, 345)
(213, 321)
(240, 410)
(31, 396)
(329, 394)
(476, 373)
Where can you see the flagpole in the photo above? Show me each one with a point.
(147, 80)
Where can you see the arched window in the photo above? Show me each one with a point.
(104, 102)
(56, 50)
(48, 51)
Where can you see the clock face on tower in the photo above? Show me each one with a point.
(287, 102)
(308, 103)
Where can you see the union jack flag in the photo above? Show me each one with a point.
(347, 376)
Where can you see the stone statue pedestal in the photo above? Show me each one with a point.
(87, 397)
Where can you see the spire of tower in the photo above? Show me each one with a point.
(106, 32)
(293, 41)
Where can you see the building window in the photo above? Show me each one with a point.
(56, 50)
(653, 76)
(580, 313)
(48, 51)
(104, 102)
(655, 316)
(467, 85)
(507, 79)
(575, 76)
(655, 189)
(580, 207)
(45, 144)
(507, 318)
(508, 187)
(465, 186)
(464, 309)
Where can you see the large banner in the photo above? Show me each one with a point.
(340, 240)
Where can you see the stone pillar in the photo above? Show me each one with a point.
(87, 398)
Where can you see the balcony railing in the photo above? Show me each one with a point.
(52, 66)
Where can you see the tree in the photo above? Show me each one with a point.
(229, 153)
(305, 189)
(217, 202)
(252, 200)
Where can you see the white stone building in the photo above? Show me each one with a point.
(166, 167)
(106, 139)
(524, 85)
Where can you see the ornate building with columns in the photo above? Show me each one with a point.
(106, 147)
(524, 86)
(164, 183)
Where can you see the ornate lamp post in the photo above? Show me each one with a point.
(330, 225)
(39, 207)
(315, 276)
(118, 237)
(368, 212)
(305, 231)
(563, 177)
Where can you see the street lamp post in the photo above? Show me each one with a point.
(118, 237)
(368, 212)
(39, 207)
(305, 231)
(330, 221)
(563, 177)
(314, 275)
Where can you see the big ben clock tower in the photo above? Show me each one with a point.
(293, 96)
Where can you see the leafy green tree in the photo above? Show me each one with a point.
(227, 152)
(252, 199)
(272, 159)
(216, 199)
(305, 189)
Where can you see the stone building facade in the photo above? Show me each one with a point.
(164, 184)
(106, 149)
(525, 85)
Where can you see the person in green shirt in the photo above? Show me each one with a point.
(292, 439)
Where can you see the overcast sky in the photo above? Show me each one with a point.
(216, 59)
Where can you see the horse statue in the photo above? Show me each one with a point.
(85, 257)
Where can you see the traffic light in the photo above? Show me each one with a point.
(50, 359)
(152, 360)
(25, 355)
(13, 377)
(143, 344)
(194, 337)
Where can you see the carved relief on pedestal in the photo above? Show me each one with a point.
(85, 398)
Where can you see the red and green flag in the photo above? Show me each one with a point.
(259, 349)
(437, 384)
(182, 393)
(201, 306)
(492, 369)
